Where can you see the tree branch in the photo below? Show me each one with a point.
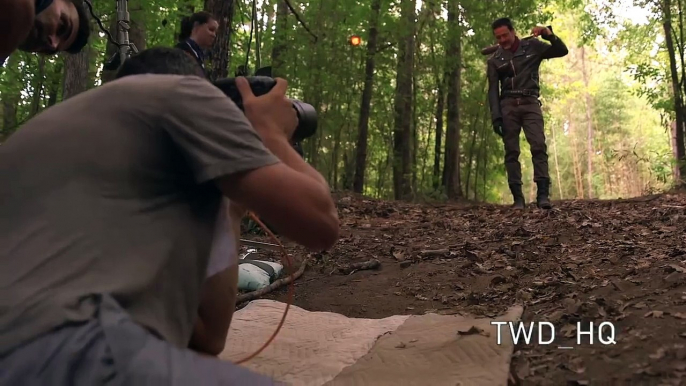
(300, 20)
(385, 46)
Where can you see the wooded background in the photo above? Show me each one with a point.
(404, 114)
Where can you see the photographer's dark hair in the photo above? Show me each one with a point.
(502, 22)
(188, 22)
(84, 30)
(160, 60)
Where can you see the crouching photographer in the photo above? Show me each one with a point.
(108, 215)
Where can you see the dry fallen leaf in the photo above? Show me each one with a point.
(523, 369)
(473, 330)
(678, 268)
(638, 254)
(659, 354)
(568, 330)
(654, 314)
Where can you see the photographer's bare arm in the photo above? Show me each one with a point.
(16, 21)
(223, 147)
(218, 299)
(217, 304)
(292, 195)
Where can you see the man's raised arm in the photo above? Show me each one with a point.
(16, 22)
(292, 195)
(222, 146)
(556, 48)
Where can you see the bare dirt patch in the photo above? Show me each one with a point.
(620, 261)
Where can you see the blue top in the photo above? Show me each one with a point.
(189, 45)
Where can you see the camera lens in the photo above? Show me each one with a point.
(307, 120)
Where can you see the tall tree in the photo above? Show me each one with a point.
(365, 103)
(280, 39)
(451, 171)
(75, 74)
(403, 102)
(220, 56)
(589, 124)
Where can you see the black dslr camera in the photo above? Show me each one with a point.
(260, 85)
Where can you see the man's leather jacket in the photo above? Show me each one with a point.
(517, 73)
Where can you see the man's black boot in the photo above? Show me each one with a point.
(517, 195)
(542, 196)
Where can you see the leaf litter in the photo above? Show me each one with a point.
(616, 261)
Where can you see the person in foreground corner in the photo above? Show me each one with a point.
(42, 26)
(513, 92)
(107, 270)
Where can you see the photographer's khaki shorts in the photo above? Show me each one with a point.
(112, 350)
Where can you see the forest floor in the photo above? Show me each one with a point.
(619, 261)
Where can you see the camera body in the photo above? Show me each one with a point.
(260, 85)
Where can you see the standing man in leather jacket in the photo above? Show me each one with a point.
(513, 92)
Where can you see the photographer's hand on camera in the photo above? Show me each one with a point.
(291, 196)
(272, 114)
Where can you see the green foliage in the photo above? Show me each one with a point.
(628, 143)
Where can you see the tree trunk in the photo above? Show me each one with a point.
(39, 79)
(678, 97)
(365, 104)
(280, 40)
(451, 170)
(676, 173)
(578, 181)
(56, 81)
(475, 128)
(440, 74)
(76, 73)
(428, 141)
(268, 43)
(557, 164)
(220, 56)
(438, 146)
(484, 165)
(589, 125)
(9, 115)
(414, 131)
(480, 159)
(403, 103)
(424, 15)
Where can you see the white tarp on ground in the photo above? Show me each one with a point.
(323, 348)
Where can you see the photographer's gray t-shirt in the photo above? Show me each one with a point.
(112, 192)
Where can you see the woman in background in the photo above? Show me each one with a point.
(198, 32)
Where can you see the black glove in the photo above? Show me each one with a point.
(552, 34)
(498, 127)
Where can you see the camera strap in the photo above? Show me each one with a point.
(193, 49)
(196, 53)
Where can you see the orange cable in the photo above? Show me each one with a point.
(291, 288)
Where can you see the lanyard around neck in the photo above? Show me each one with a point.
(193, 49)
